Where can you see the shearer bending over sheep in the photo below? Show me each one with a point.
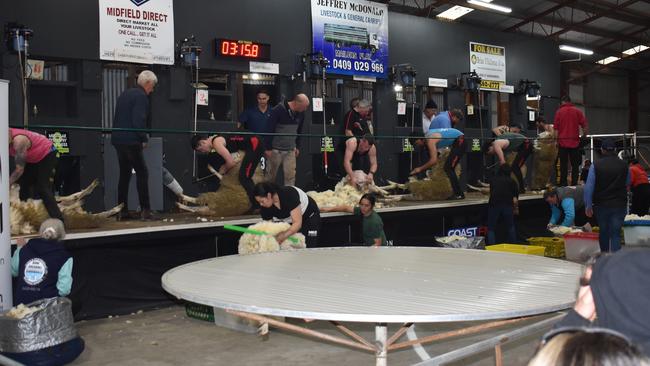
(440, 138)
(290, 204)
(36, 158)
(355, 149)
(225, 146)
(509, 142)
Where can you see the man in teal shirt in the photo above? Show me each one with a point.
(565, 199)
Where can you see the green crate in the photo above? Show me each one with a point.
(200, 312)
(554, 246)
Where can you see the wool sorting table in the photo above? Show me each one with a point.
(378, 285)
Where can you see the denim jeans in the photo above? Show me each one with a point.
(610, 221)
(505, 211)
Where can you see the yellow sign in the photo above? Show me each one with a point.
(488, 49)
(490, 85)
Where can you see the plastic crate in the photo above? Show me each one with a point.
(637, 232)
(200, 312)
(580, 246)
(554, 246)
(517, 248)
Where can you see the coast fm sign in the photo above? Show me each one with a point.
(140, 31)
(489, 62)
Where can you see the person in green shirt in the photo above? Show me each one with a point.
(372, 225)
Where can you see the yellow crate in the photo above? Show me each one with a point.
(517, 248)
(554, 246)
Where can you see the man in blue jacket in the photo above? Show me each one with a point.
(568, 200)
(132, 112)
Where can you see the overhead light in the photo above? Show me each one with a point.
(398, 88)
(489, 5)
(583, 51)
(637, 49)
(255, 76)
(454, 12)
(608, 60)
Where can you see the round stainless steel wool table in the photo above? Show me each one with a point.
(380, 285)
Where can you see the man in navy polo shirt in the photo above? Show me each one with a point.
(256, 119)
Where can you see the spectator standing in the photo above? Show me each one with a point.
(356, 120)
(287, 119)
(568, 122)
(606, 195)
(640, 189)
(132, 111)
(256, 119)
(429, 113)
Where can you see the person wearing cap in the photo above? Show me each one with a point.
(429, 113)
(614, 293)
(42, 267)
(446, 119)
(640, 189)
(568, 122)
(606, 195)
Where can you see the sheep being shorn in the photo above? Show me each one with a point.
(436, 187)
(27, 216)
(230, 199)
(543, 161)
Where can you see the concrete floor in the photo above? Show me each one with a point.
(169, 337)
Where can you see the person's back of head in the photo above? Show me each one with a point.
(457, 113)
(587, 347)
(566, 99)
(354, 101)
(52, 229)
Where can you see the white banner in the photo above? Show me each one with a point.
(5, 230)
(140, 31)
(489, 62)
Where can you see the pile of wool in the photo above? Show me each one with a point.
(437, 186)
(544, 159)
(21, 311)
(633, 217)
(343, 193)
(561, 230)
(449, 239)
(251, 243)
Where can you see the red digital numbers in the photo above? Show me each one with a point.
(241, 49)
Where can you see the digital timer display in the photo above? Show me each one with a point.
(242, 49)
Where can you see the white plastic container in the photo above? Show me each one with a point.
(580, 246)
(637, 232)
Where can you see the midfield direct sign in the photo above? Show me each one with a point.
(352, 35)
(489, 62)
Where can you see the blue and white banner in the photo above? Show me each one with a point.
(352, 35)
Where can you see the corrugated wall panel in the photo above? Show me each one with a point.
(114, 85)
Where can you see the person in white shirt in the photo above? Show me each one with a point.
(430, 111)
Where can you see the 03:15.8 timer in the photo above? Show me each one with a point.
(242, 49)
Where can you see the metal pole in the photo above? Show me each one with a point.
(196, 113)
(412, 118)
(381, 336)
